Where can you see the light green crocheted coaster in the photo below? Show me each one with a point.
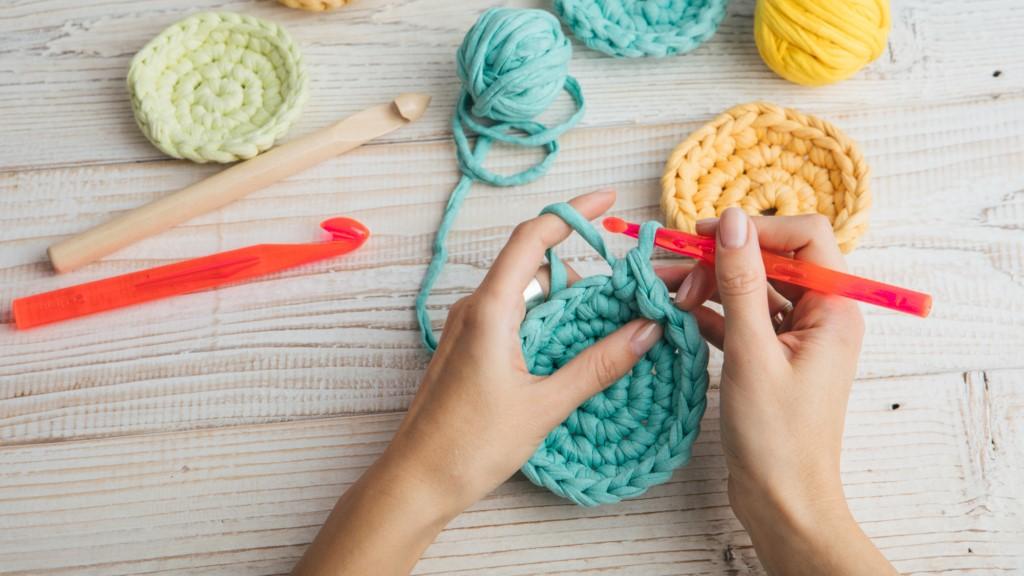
(217, 87)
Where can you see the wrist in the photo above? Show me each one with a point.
(808, 531)
(380, 525)
(779, 517)
(407, 483)
(796, 505)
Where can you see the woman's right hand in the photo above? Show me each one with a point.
(783, 395)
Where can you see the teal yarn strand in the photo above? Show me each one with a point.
(637, 28)
(512, 65)
(635, 433)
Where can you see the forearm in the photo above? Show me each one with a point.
(381, 525)
(798, 537)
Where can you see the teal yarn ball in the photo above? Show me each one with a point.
(637, 28)
(635, 433)
(512, 65)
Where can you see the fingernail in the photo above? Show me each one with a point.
(706, 226)
(645, 337)
(691, 285)
(732, 228)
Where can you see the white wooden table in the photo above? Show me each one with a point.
(212, 433)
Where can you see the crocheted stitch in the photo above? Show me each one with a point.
(768, 160)
(314, 5)
(635, 28)
(632, 435)
(217, 87)
(512, 64)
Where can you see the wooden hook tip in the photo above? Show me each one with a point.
(412, 105)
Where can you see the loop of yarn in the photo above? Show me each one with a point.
(635, 433)
(512, 65)
(217, 87)
(314, 5)
(768, 160)
(816, 42)
(636, 28)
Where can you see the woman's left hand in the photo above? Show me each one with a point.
(478, 415)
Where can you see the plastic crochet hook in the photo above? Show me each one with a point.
(790, 271)
(185, 277)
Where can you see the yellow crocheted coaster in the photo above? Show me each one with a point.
(217, 87)
(768, 160)
(314, 5)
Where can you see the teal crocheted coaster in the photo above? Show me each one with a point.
(217, 87)
(635, 28)
(632, 435)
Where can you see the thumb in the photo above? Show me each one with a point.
(600, 365)
(742, 285)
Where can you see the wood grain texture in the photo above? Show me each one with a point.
(931, 467)
(339, 337)
(65, 64)
(210, 434)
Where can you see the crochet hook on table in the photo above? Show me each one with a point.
(185, 277)
(790, 271)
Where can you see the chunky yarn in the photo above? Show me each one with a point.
(635, 28)
(314, 5)
(768, 160)
(512, 65)
(632, 435)
(217, 87)
(816, 42)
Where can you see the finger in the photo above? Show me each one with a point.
(524, 253)
(544, 277)
(743, 288)
(787, 291)
(674, 274)
(707, 227)
(711, 325)
(808, 236)
(696, 288)
(600, 365)
(777, 303)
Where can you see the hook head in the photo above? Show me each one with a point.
(346, 229)
(613, 224)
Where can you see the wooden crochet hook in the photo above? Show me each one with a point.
(237, 181)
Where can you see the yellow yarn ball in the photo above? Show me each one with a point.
(817, 42)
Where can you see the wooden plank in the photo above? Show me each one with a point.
(64, 67)
(931, 467)
(339, 337)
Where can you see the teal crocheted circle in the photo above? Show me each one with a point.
(635, 433)
(636, 28)
(217, 87)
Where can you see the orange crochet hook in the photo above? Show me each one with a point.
(185, 277)
(790, 271)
